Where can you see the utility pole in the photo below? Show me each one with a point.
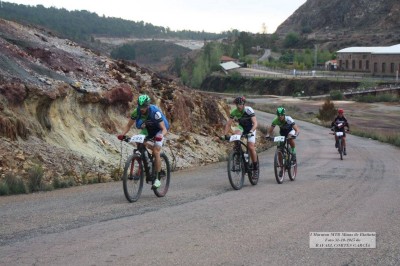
(315, 56)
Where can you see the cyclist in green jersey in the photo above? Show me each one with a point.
(154, 125)
(246, 118)
(287, 127)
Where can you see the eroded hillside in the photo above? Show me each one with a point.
(62, 105)
(340, 23)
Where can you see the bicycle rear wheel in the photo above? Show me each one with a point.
(279, 166)
(292, 171)
(164, 177)
(236, 170)
(250, 172)
(133, 178)
(340, 148)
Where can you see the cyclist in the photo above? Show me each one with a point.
(340, 119)
(287, 127)
(247, 126)
(153, 124)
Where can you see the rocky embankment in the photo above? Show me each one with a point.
(61, 106)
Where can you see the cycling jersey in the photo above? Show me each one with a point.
(339, 120)
(243, 117)
(152, 120)
(285, 126)
(134, 114)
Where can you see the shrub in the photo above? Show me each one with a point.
(336, 95)
(328, 111)
(386, 97)
(367, 84)
(35, 177)
(14, 184)
(116, 174)
(4, 190)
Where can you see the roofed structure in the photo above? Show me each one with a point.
(379, 60)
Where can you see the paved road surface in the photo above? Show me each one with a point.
(202, 221)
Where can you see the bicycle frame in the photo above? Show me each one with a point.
(141, 164)
(237, 164)
(142, 150)
(339, 135)
(283, 160)
(238, 146)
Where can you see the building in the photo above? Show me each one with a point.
(331, 65)
(225, 59)
(379, 61)
(229, 66)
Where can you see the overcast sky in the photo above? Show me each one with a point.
(196, 15)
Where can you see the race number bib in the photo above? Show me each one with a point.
(137, 138)
(234, 138)
(279, 139)
(339, 134)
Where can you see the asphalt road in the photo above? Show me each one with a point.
(203, 221)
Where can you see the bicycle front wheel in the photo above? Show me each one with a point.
(164, 176)
(292, 171)
(340, 148)
(236, 171)
(253, 179)
(133, 178)
(279, 166)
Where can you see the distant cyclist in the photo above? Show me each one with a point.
(246, 118)
(154, 124)
(287, 127)
(338, 125)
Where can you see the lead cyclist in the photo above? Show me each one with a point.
(247, 126)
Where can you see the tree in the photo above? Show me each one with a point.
(126, 51)
(328, 111)
(291, 40)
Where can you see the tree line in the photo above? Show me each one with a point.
(83, 25)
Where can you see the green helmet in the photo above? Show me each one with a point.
(143, 100)
(280, 111)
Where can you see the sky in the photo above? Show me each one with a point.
(196, 15)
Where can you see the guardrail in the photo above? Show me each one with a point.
(320, 74)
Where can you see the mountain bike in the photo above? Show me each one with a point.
(283, 159)
(140, 165)
(240, 163)
(337, 132)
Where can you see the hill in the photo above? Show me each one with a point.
(337, 23)
(61, 106)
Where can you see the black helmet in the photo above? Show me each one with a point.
(239, 100)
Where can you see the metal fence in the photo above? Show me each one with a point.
(320, 74)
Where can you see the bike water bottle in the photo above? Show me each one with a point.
(246, 157)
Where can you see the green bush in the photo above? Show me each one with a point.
(13, 185)
(35, 177)
(336, 95)
(4, 190)
(367, 84)
(386, 97)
